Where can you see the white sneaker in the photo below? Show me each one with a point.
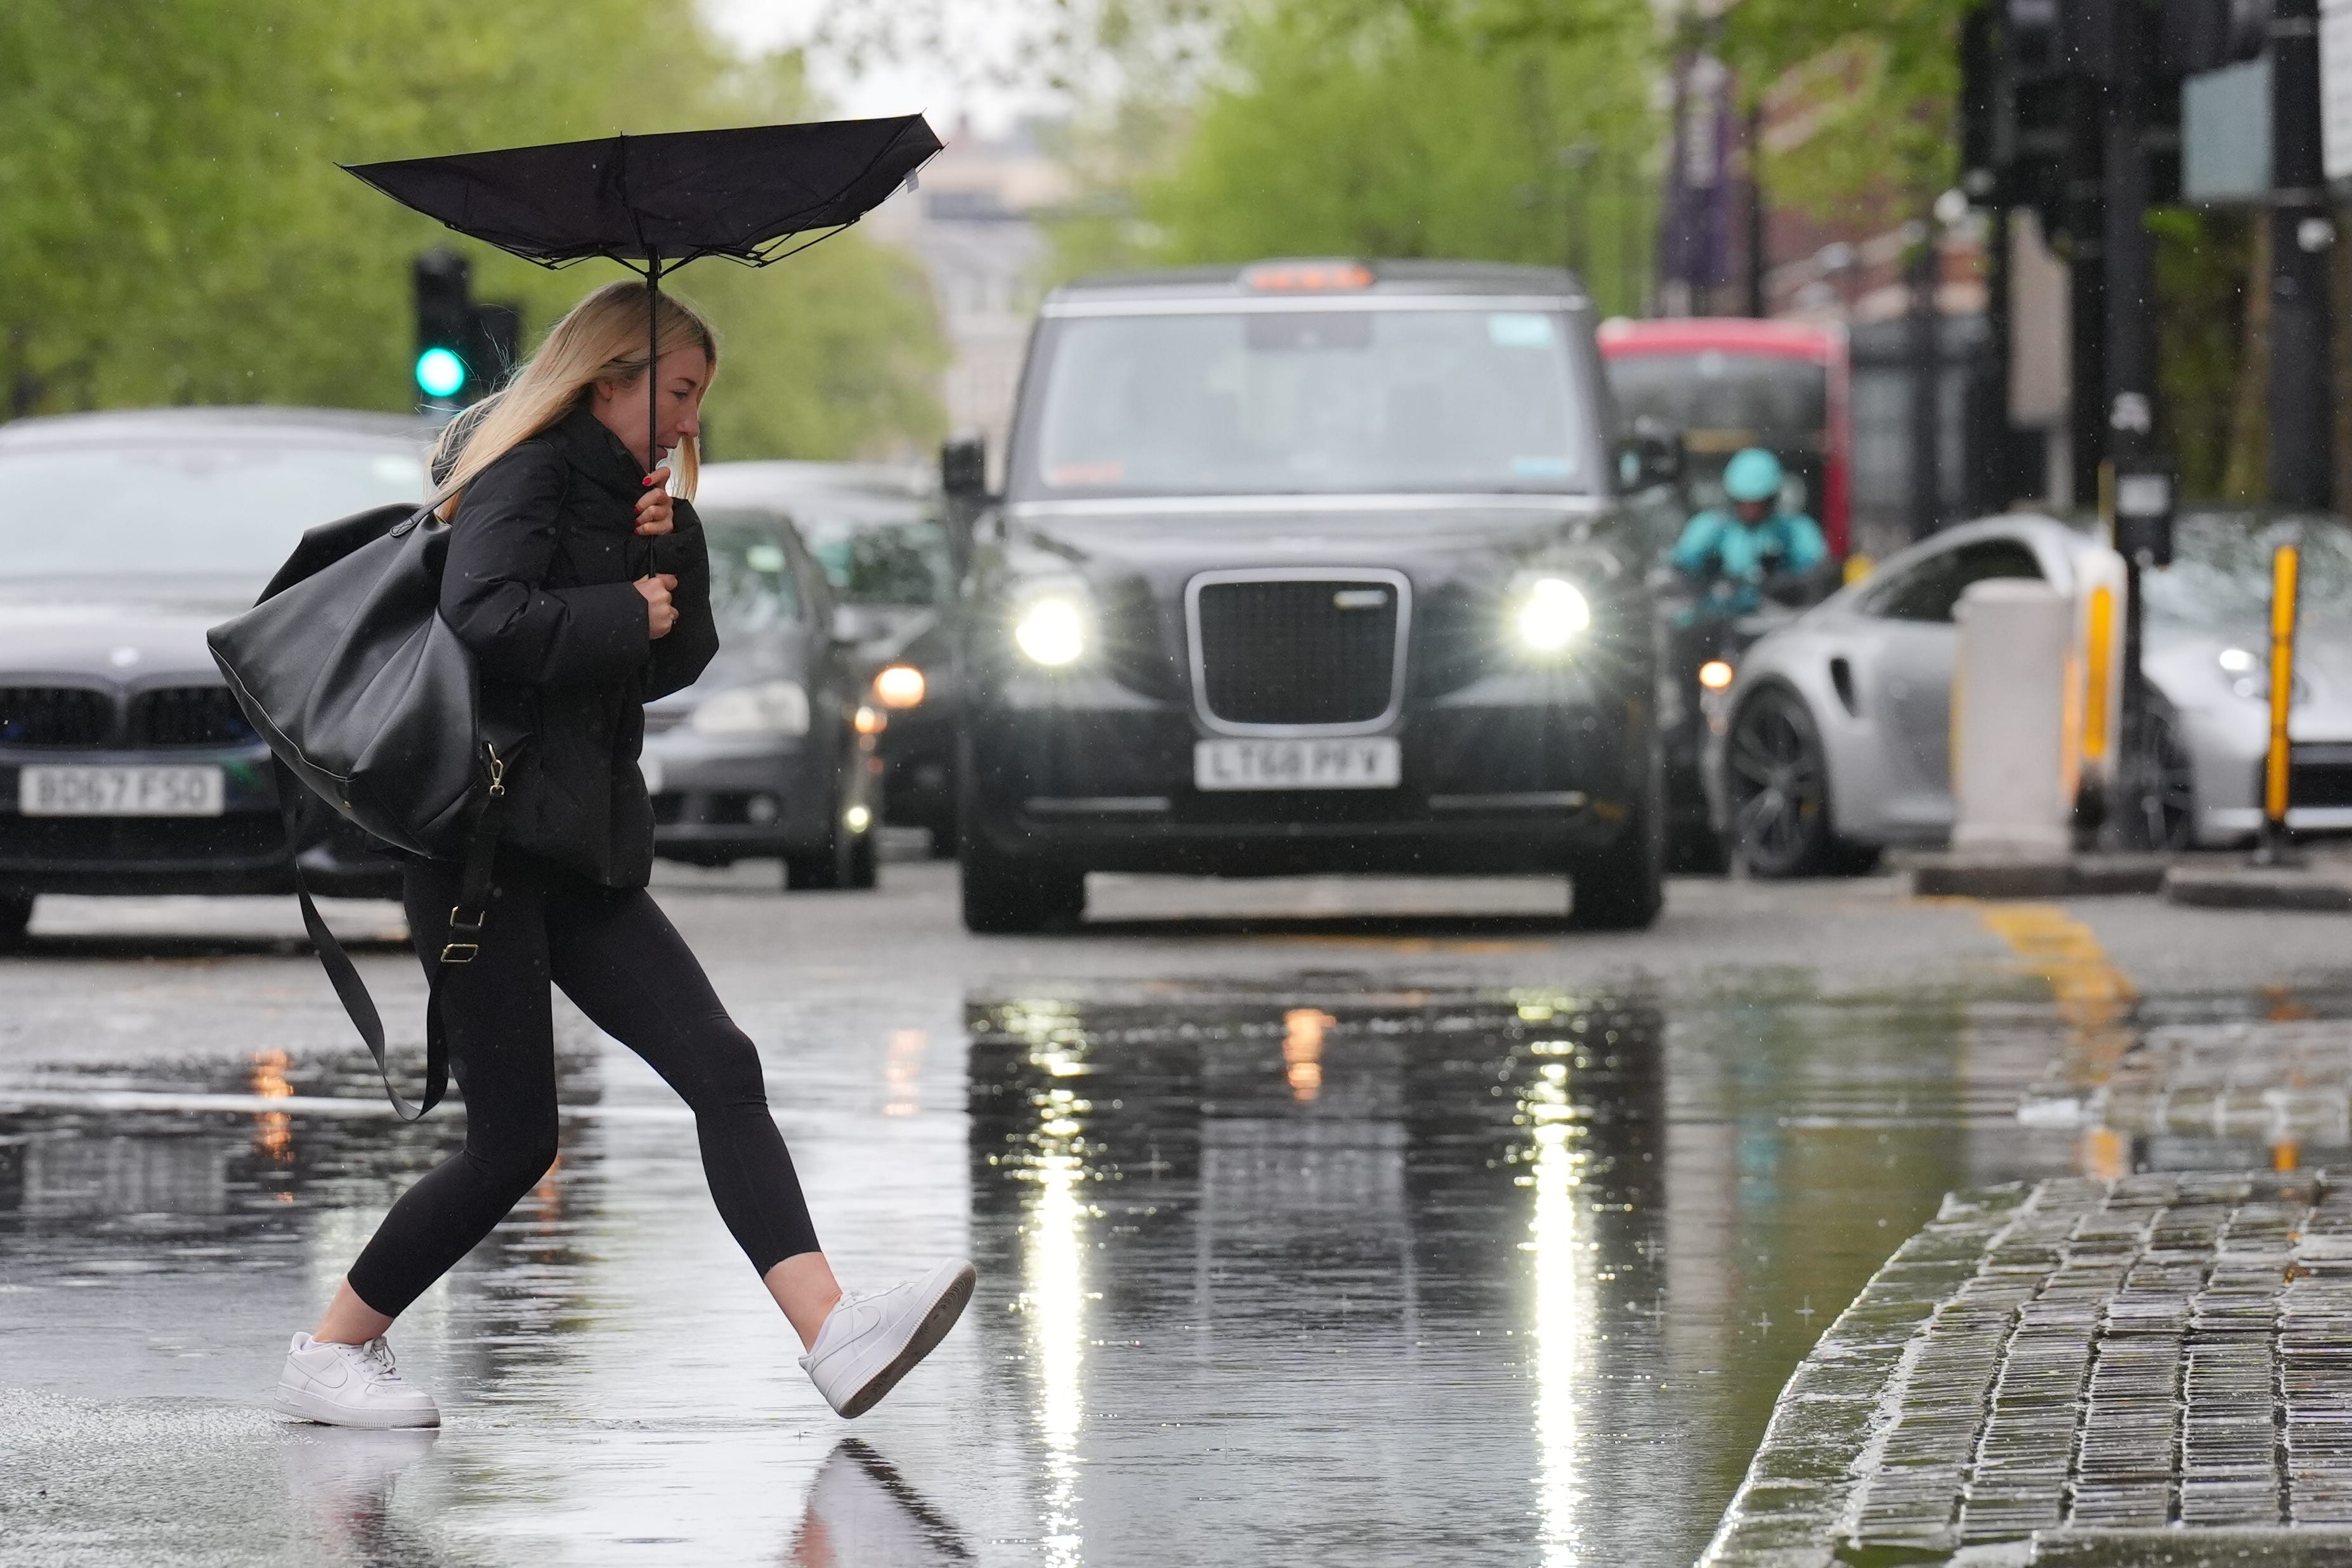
(860, 1511)
(342, 1481)
(869, 1343)
(350, 1385)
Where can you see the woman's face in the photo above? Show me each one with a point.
(678, 381)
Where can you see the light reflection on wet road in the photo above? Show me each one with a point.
(1315, 1265)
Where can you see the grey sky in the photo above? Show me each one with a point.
(897, 89)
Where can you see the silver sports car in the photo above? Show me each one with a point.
(1833, 741)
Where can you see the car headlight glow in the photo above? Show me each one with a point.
(2249, 676)
(770, 708)
(901, 686)
(1051, 629)
(1552, 613)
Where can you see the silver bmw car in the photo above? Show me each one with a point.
(1833, 740)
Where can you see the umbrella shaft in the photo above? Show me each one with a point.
(652, 356)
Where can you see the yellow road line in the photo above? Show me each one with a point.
(2094, 998)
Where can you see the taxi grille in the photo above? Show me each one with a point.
(54, 716)
(1297, 651)
(188, 716)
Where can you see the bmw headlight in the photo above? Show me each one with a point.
(1051, 628)
(779, 708)
(1548, 614)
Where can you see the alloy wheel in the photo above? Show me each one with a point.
(1779, 786)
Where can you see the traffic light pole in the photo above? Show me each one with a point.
(2128, 252)
(2301, 412)
(2084, 188)
(1924, 332)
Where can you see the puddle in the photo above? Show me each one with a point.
(1325, 1268)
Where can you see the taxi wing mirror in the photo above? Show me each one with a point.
(963, 481)
(963, 469)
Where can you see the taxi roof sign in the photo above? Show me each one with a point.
(1307, 277)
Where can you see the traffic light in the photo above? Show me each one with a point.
(462, 348)
(444, 313)
(2017, 96)
(2198, 36)
(2032, 72)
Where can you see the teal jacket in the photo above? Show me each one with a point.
(1717, 545)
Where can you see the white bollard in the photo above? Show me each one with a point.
(2015, 750)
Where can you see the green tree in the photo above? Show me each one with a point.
(173, 228)
(1415, 130)
(1878, 88)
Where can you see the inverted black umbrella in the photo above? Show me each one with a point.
(655, 203)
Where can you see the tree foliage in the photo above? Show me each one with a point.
(1875, 84)
(1412, 128)
(173, 227)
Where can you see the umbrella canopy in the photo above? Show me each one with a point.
(655, 203)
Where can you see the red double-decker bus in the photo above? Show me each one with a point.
(1727, 382)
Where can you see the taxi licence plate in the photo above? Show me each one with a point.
(120, 792)
(1374, 763)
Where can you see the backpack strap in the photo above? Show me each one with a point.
(466, 920)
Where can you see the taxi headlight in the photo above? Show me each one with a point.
(1051, 629)
(771, 708)
(1551, 613)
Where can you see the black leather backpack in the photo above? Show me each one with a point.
(368, 699)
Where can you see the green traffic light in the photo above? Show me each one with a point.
(440, 374)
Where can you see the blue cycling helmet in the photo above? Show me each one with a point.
(1752, 475)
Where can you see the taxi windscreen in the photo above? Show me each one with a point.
(1326, 401)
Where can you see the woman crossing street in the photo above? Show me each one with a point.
(582, 590)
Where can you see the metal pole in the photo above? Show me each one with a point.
(1992, 486)
(1925, 352)
(2275, 848)
(1628, 239)
(2129, 302)
(1758, 305)
(1577, 157)
(2087, 278)
(2301, 417)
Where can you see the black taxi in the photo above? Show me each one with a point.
(1308, 566)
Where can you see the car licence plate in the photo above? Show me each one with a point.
(120, 792)
(1373, 764)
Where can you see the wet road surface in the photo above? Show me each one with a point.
(1430, 1237)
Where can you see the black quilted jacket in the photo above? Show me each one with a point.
(541, 584)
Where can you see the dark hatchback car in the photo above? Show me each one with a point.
(878, 534)
(125, 766)
(770, 753)
(1312, 566)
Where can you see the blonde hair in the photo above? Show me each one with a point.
(602, 338)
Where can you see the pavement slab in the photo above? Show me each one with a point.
(2072, 1372)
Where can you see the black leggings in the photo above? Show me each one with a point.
(616, 956)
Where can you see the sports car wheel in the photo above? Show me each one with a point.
(2159, 786)
(1778, 779)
